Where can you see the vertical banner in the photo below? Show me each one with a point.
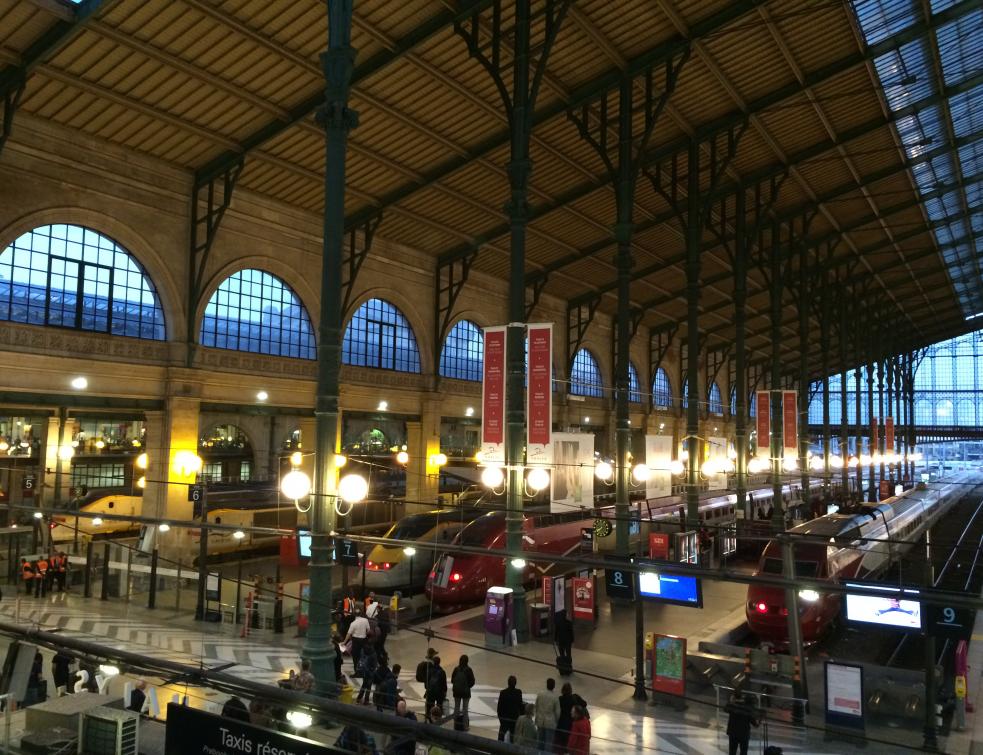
(548, 590)
(717, 453)
(572, 481)
(889, 434)
(539, 422)
(659, 545)
(583, 598)
(493, 397)
(762, 400)
(875, 436)
(790, 421)
(669, 667)
(658, 455)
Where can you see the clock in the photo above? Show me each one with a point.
(602, 527)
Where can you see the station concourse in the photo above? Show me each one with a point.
(635, 345)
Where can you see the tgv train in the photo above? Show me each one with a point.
(858, 545)
(463, 579)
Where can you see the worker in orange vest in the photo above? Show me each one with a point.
(27, 574)
(62, 573)
(41, 578)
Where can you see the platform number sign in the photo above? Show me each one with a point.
(620, 583)
(347, 553)
(30, 481)
(948, 621)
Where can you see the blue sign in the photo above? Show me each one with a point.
(671, 588)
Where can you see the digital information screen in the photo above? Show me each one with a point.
(671, 588)
(893, 612)
(304, 543)
(844, 695)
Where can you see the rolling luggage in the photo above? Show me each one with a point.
(766, 748)
(564, 666)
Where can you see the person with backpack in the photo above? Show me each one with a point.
(742, 716)
(510, 707)
(367, 667)
(568, 699)
(436, 694)
(424, 666)
(462, 680)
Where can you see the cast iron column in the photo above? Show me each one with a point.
(694, 240)
(337, 119)
(740, 355)
(778, 504)
(857, 399)
(844, 415)
(803, 407)
(881, 435)
(871, 450)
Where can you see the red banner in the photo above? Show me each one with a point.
(889, 434)
(659, 545)
(493, 396)
(790, 421)
(763, 403)
(669, 664)
(875, 446)
(583, 598)
(540, 393)
(548, 590)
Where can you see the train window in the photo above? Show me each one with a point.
(772, 566)
(802, 568)
(480, 530)
(411, 528)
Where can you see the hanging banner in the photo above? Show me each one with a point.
(583, 598)
(659, 545)
(572, 481)
(790, 421)
(658, 456)
(539, 395)
(717, 454)
(493, 397)
(875, 437)
(548, 590)
(762, 400)
(889, 434)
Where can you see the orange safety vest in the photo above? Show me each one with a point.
(27, 571)
(62, 563)
(42, 566)
(348, 606)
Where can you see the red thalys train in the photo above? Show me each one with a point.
(461, 579)
(847, 546)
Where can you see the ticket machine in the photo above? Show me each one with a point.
(498, 616)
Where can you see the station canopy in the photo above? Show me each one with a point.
(860, 114)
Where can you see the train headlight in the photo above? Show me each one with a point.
(409, 551)
(809, 596)
(96, 521)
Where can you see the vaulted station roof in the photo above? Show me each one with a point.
(859, 113)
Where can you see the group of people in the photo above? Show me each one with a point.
(553, 724)
(42, 574)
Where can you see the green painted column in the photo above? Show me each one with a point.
(694, 240)
(740, 350)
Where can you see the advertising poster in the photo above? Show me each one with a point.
(875, 436)
(583, 598)
(717, 453)
(572, 481)
(658, 455)
(762, 400)
(548, 591)
(659, 545)
(493, 396)
(669, 674)
(303, 605)
(539, 395)
(844, 695)
(790, 421)
(889, 434)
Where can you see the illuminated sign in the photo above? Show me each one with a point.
(671, 588)
(898, 613)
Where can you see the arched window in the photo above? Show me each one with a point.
(684, 398)
(733, 401)
(634, 392)
(73, 277)
(661, 390)
(378, 335)
(752, 405)
(463, 351)
(714, 400)
(585, 376)
(255, 311)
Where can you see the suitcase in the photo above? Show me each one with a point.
(564, 666)
(766, 748)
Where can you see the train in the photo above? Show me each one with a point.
(860, 544)
(459, 580)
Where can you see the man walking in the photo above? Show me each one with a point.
(547, 714)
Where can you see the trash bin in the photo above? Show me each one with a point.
(539, 620)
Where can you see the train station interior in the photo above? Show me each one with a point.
(491, 376)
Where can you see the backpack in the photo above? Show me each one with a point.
(421, 671)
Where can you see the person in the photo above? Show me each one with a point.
(62, 573)
(371, 608)
(61, 672)
(510, 707)
(347, 611)
(568, 699)
(742, 716)
(36, 692)
(403, 744)
(27, 574)
(462, 680)
(525, 729)
(305, 681)
(383, 626)
(578, 743)
(338, 657)
(41, 577)
(357, 740)
(424, 666)
(547, 715)
(138, 697)
(358, 633)
(368, 664)
(259, 713)
(436, 694)
(385, 688)
(564, 639)
(367, 601)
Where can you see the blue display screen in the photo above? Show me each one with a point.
(304, 543)
(671, 588)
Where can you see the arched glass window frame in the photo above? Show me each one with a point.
(463, 351)
(634, 389)
(394, 331)
(661, 390)
(263, 334)
(585, 375)
(58, 253)
(715, 404)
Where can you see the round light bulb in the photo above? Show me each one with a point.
(816, 464)
(340, 460)
(187, 463)
(142, 482)
(142, 460)
(640, 472)
(38, 515)
(353, 488)
(538, 478)
(262, 396)
(492, 477)
(603, 470)
(836, 461)
(402, 457)
(65, 453)
(4, 445)
(790, 464)
(295, 485)
(676, 467)
(438, 459)
(100, 444)
(80, 383)
(853, 462)
(866, 459)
